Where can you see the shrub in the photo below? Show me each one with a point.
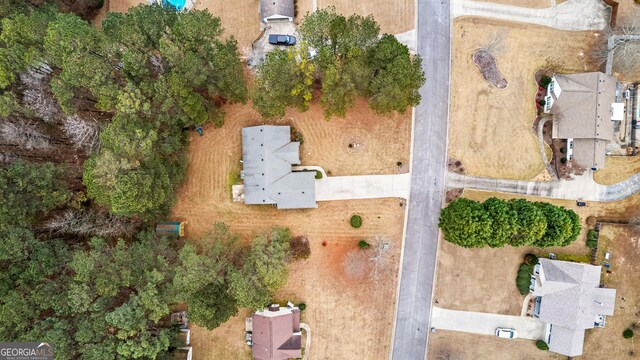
(540, 344)
(363, 244)
(399, 163)
(563, 160)
(297, 135)
(563, 150)
(542, 102)
(356, 221)
(523, 281)
(302, 306)
(627, 334)
(592, 239)
(531, 259)
(544, 81)
(318, 174)
(300, 248)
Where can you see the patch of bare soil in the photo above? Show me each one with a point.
(452, 195)
(489, 69)
(456, 166)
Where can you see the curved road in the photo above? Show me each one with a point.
(428, 164)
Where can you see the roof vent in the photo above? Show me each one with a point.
(274, 307)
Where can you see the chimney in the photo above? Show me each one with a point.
(274, 307)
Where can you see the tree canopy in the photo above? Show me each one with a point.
(349, 59)
(516, 222)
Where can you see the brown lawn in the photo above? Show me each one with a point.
(394, 16)
(623, 243)
(617, 168)
(490, 128)
(350, 318)
(484, 280)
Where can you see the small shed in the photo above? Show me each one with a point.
(170, 228)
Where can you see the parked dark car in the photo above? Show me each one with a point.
(581, 203)
(288, 40)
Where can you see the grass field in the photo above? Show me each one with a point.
(616, 169)
(490, 128)
(337, 304)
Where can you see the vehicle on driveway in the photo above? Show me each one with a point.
(506, 333)
(276, 39)
(581, 203)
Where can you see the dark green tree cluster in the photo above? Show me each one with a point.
(349, 59)
(152, 73)
(516, 222)
(104, 301)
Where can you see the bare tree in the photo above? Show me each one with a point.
(495, 42)
(620, 45)
(156, 63)
(32, 78)
(42, 104)
(25, 134)
(90, 223)
(83, 133)
(379, 261)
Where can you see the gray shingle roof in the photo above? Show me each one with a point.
(276, 9)
(583, 110)
(267, 155)
(571, 299)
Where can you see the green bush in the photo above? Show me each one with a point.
(318, 174)
(356, 221)
(299, 137)
(524, 278)
(302, 306)
(530, 259)
(627, 334)
(592, 239)
(363, 244)
(563, 160)
(544, 81)
(563, 150)
(540, 344)
(542, 102)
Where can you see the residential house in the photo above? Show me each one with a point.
(584, 108)
(267, 156)
(570, 300)
(276, 333)
(276, 10)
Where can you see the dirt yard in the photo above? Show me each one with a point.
(490, 128)
(463, 346)
(624, 245)
(394, 16)
(336, 304)
(617, 168)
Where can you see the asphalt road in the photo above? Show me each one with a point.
(413, 313)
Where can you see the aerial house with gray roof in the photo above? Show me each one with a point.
(276, 10)
(267, 156)
(570, 300)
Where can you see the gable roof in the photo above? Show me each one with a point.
(267, 155)
(583, 107)
(276, 9)
(571, 299)
(276, 334)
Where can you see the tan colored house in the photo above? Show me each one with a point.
(584, 109)
(276, 333)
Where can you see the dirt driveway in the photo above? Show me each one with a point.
(337, 303)
(491, 128)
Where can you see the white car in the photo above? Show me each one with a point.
(506, 333)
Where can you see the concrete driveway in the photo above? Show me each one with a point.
(569, 15)
(486, 323)
(261, 46)
(307, 346)
(363, 187)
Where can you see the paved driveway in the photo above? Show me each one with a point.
(569, 15)
(486, 324)
(362, 187)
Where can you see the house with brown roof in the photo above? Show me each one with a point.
(584, 108)
(570, 300)
(276, 333)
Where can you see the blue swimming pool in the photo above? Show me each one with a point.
(177, 4)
